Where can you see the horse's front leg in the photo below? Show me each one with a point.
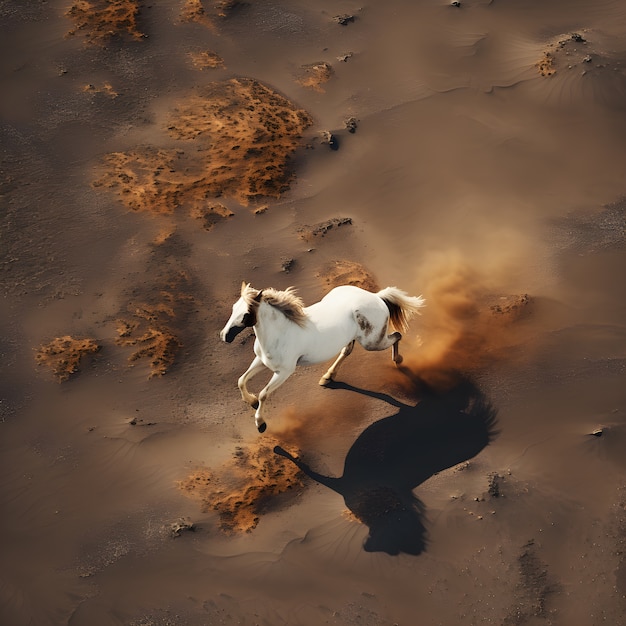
(255, 367)
(332, 370)
(275, 382)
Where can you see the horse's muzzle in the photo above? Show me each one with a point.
(233, 331)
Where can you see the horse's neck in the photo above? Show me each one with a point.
(270, 323)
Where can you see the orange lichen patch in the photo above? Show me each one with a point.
(315, 75)
(106, 89)
(205, 12)
(254, 481)
(151, 322)
(546, 65)
(240, 136)
(251, 131)
(160, 346)
(146, 179)
(348, 273)
(211, 214)
(570, 49)
(206, 60)
(102, 20)
(223, 7)
(193, 11)
(63, 355)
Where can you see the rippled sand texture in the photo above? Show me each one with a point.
(156, 155)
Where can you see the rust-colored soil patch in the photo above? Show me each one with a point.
(153, 321)
(255, 481)
(236, 136)
(106, 89)
(146, 179)
(147, 332)
(194, 11)
(101, 20)
(315, 75)
(570, 50)
(349, 273)
(63, 355)
(206, 60)
(206, 12)
(546, 64)
(251, 131)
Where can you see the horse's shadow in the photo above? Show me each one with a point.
(394, 455)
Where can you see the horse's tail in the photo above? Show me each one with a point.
(402, 307)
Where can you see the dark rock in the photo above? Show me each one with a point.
(351, 124)
(287, 265)
(344, 19)
(330, 140)
(495, 483)
(180, 526)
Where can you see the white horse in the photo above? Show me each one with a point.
(289, 334)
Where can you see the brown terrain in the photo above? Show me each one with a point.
(156, 155)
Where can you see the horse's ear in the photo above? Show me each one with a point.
(243, 286)
(258, 297)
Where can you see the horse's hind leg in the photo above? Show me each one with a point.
(255, 367)
(388, 341)
(332, 370)
(396, 357)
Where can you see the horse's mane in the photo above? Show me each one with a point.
(287, 301)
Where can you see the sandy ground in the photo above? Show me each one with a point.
(154, 155)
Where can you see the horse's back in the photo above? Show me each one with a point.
(340, 299)
(351, 295)
(345, 303)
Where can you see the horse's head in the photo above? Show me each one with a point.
(244, 313)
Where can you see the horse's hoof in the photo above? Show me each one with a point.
(255, 405)
(398, 360)
(324, 382)
(262, 427)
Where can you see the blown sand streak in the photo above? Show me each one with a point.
(156, 155)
